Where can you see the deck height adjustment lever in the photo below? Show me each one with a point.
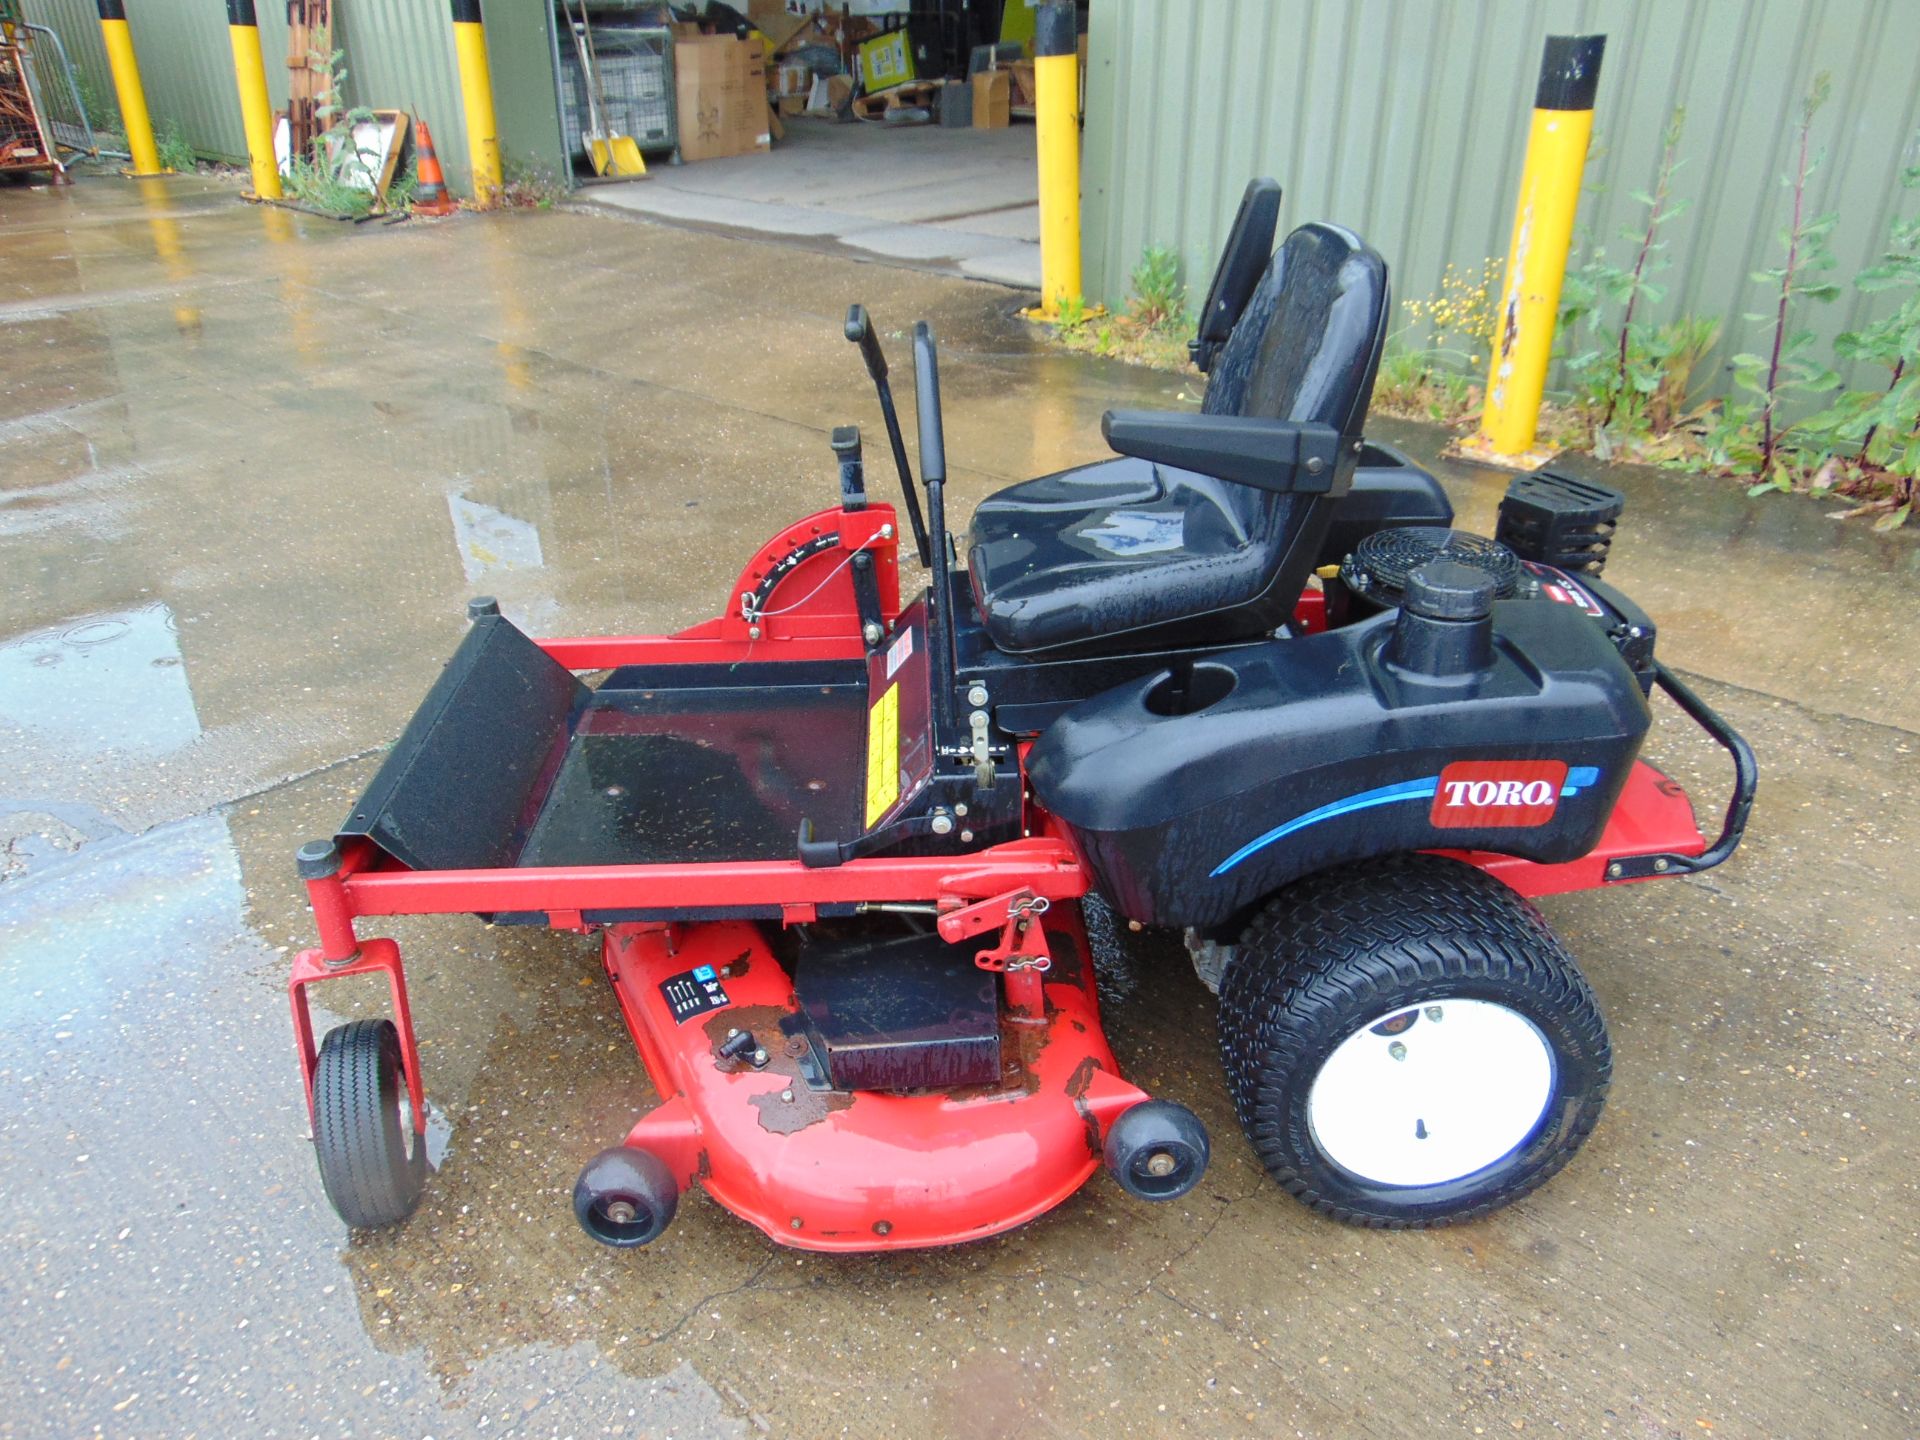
(824, 854)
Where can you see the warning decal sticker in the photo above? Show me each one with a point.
(883, 755)
(898, 652)
(693, 992)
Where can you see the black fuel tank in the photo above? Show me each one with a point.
(1196, 795)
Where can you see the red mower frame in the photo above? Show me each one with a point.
(1004, 888)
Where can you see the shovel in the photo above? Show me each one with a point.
(617, 155)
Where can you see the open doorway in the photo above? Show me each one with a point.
(899, 131)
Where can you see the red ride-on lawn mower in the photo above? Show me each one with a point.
(1242, 680)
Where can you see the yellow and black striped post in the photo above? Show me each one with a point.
(256, 110)
(127, 88)
(476, 93)
(1542, 238)
(1056, 124)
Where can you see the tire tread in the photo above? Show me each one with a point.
(1334, 943)
(364, 1168)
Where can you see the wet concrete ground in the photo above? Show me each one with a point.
(252, 463)
(961, 202)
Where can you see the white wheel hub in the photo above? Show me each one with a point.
(1432, 1092)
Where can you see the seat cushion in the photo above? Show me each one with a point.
(1108, 549)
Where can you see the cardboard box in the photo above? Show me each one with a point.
(885, 61)
(773, 20)
(992, 100)
(720, 86)
(793, 79)
(1025, 93)
(791, 105)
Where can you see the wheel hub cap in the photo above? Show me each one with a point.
(1423, 1095)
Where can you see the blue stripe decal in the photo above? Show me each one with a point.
(1365, 800)
(1579, 778)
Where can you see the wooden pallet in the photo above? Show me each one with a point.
(309, 69)
(913, 94)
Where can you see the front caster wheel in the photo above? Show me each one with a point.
(1409, 1045)
(625, 1197)
(362, 1122)
(1157, 1150)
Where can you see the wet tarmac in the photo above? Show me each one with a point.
(251, 465)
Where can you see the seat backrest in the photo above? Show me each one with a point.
(1307, 347)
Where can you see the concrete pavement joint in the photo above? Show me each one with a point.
(1801, 707)
(19, 311)
(285, 780)
(718, 1295)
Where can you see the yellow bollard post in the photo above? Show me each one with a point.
(476, 93)
(128, 89)
(1542, 238)
(256, 110)
(1056, 123)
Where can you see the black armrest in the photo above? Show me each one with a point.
(1288, 457)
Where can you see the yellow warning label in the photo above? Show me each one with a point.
(883, 755)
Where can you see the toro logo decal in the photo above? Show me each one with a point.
(1559, 586)
(1504, 793)
(1467, 792)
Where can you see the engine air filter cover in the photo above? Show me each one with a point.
(1380, 564)
(1560, 520)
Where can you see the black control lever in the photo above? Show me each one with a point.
(933, 471)
(824, 854)
(860, 332)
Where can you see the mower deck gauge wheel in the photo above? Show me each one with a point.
(373, 1163)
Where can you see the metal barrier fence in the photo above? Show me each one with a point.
(56, 93)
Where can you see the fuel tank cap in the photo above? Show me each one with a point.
(1447, 590)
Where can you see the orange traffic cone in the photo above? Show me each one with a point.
(430, 195)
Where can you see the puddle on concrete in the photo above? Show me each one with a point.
(81, 933)
(101, 684)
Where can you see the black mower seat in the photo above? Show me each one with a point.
(1107, 549)
(1129, 551)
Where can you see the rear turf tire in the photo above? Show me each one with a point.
(361, 1118)
(1339, 972)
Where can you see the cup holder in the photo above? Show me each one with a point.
(1190, 689)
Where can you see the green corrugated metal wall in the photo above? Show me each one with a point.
(79, 27)
(1407, 119)
(520, 59)
(399, 55)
